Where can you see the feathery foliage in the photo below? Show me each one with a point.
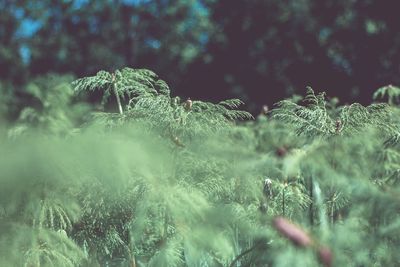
(185, 183)
(315, 119)
(392, 93)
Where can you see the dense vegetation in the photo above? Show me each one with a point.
(165, 181)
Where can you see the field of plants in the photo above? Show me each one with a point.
(145, 178)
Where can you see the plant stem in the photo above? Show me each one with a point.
(118, 99)
(311, 208)
(116, 94)
(283, 202)
(242, 254)
(132, 261)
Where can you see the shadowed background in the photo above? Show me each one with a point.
(258, 50)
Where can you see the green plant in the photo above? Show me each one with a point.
(186, 183)
(149, 101)
(392, 93)
(52, 109)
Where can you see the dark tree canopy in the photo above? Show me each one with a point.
(258, 50)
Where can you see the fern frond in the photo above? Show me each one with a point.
(171, 254)
(231, 103)
(102, 80)
(392, 93)
(315, 120)
(356, 117)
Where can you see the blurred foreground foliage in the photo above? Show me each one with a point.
(172, 182)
